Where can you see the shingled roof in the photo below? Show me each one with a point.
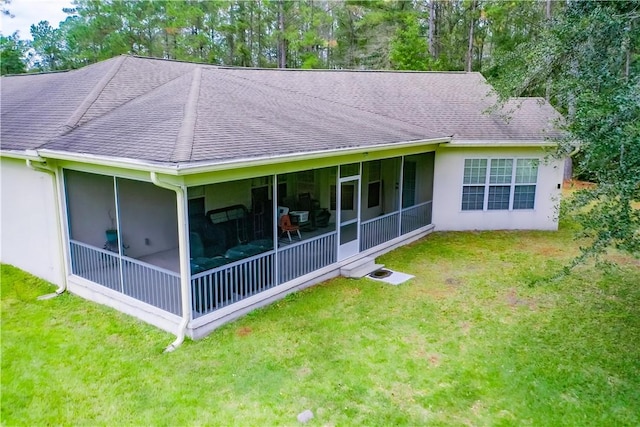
(180, 113)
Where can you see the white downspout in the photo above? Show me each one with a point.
(185, 268)
(43, 167)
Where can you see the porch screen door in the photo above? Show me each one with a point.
(348, 198)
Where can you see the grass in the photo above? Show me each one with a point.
(481, 336)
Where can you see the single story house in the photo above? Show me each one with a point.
(188, 194)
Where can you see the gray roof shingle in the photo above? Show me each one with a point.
(141, 108)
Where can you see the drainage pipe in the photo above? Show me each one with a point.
(185, 282)
(52, 171)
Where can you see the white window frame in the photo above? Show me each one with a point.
(512, 184)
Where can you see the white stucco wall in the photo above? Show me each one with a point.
(447, 197)
(225, 194)
(91, 206)
(28, 228)
(148, 217)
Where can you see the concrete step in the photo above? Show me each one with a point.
(360, 268)
(365, 270)
(357, 263)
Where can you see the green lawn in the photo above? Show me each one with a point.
(479, 337)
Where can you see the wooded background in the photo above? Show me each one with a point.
(374, 34)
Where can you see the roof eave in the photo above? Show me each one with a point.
(214, 165)
(470, 143)
(192, 168)
(22, 155)
(109, 161)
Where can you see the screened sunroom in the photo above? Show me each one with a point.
(245, 236)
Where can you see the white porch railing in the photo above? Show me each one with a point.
(231, 283)
(304, 257)
(378, 230)
(415, 217)
(145, 282)
(151, 284)
(97, 265)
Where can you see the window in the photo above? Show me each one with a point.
(346, 198)
(525, 186)
(496, 185)
(373, 194)
(374, 187)
(475, 174)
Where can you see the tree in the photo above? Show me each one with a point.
(590, 54)
(511, 26)
(408, 49)
(12, 55)
(48, 46)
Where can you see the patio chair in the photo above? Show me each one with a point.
(287, 227)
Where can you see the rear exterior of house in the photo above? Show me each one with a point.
(167, 198)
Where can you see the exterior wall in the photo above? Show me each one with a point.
(148, 218)
(91, 206)
(225, 194)
(326, 177)
(447, 197)
(28, 229)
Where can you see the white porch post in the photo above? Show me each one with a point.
(118, 232)
(275, 229)
(400, 196)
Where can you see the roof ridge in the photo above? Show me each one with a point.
(308, 70)
(82, 109)
(184, 142)
(337, 70)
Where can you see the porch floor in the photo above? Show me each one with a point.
(169, 259)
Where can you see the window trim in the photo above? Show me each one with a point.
(486, 185)
(372, 195)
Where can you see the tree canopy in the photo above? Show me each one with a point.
(588, 56)
(12, 55)
(370, 34)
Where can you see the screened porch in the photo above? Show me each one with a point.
(245, 236)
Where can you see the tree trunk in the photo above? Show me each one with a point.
(251, 32)
(259, 56)
(282, 47)
(547, 91)
(627, 43)
(432, 29)
(471, 27)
